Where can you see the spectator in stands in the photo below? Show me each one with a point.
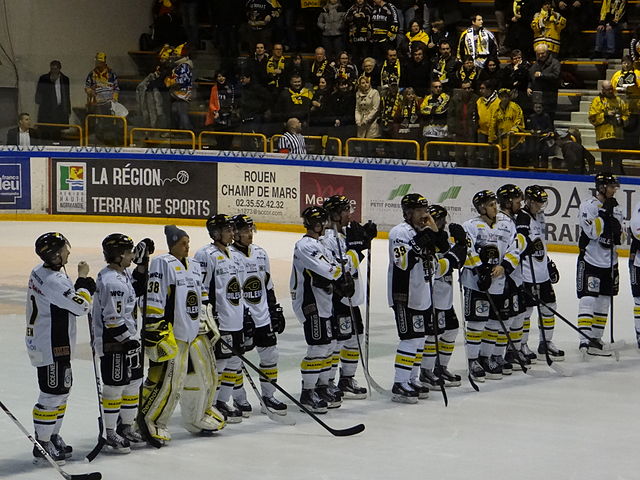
(612, 13)
(626, 82)
(384, 28)
(432, 18)
(577, 159)
(519, 34)
(477, 42)
(547, 26)
(292, 140)
(438, 35)
(371, 71)
(445, 68)
(608, 113)
(539, 145)
(102, 89)
(22, 135)
(342, 105)
(468, 72)
(502, 9)
(357, 25)
(544, 77)
(389, 102)
(319, 117)
(491, 70)
(578, 14)
(189, 14)
(505, 120)
(331, 24)
(367, 109)
(298, 66)
(634, 47)
(309, 12)
(286, 24)
(52, 95)
(390, 70)
(515, 77)
(226, 18)
(152, 95)
(462, 123)
(166, 23)
(180, 85)
(321, 67)
(434, 109)
(223, 109)
(294, 101)
(416, 72)
(258, 65)
(406, 11)
(345, 69)
(406, 120)
(261, 15)
(253, 104)
(487, 104)
(416, 36)
(276, 69)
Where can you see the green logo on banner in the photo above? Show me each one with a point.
(71, 177)
(399, 191)
(450, 194)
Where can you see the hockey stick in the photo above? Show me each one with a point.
(613, 277)
(592, 341)
(338, 432)
(367, 303)
(541, 327)
(283, 419)
(506, 331)
(102, 440)
(43, 452)
(435, 331)
(473, 384)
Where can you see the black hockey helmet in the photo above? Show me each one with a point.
(336, 204)
(48, 247)
(242, 221)
(311, 216)
(536, 193)
(605, 178)
(216, 223)
(413, 200)
(437, 212)
(506, 193)
(483, 197)
(114, 245)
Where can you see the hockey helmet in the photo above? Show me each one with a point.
(48, 246)
(506, 193)
(114, 245)
(216, 223)
(483, 197)
(311, 216)
(603, 179)
(337, 204)
(242, 221)
(437, 212)
(413, 200)
(536, 193)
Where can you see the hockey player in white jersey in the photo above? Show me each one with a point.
(116, 340)
(353, 238)
(262, 310)
(179, 334)
(314, 275)
(53, 303)
(491, 257)
(539, 284)
(412, 248)
(634, 267)
(222, 279)
(597, 278)
(435, 359)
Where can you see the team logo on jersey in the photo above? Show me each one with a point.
(234, 292)
(442, 320)
(117, 368)
(345, 325)
(418, 323)
(193, 305)
(252, 290)
(593, 284)
(482, 308)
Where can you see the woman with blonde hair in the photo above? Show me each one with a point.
(367, 109)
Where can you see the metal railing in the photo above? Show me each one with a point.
(96, 117)
(465, 144)
(316, 144)
(56, 130)
(166, 137)
(350, 146)
(249, 142)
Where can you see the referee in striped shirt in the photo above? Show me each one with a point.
(292, 141)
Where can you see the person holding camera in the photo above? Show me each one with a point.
(608, 113)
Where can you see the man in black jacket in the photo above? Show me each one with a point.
(544, 77)
(417, 72)
(53, 99)
(253, 105)
(22, 135)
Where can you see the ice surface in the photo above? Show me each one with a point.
(584, 427)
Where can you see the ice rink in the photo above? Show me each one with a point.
(523, 427)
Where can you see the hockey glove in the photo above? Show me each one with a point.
(248, 329)
(87, 283)
(143, 249)
(484, 277)
(370, 230)
(457, 255)
(608, 205)
(423, 244)
(554, 274)
(535, 248)
(345, 286)
(277, 318)
(356, 237)
(209, 323)
(159, 341)
(457, 232)
(612, 232)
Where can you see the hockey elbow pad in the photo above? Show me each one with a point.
(160, 342)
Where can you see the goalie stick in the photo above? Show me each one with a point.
(283, 419)
(338, 432)
(43, 452)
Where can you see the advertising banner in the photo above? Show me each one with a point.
(15, 183)
(135, 188)
(316, 187)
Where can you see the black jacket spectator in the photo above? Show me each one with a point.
(50, 111)
(416, 73)
(544, 77)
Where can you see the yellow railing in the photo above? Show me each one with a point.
(166, 137)
(328, 145)
(63, 126)
(87, 133)
(625, 162)
(464, 144)
(348, 148)
(257, 137)
(507, 155)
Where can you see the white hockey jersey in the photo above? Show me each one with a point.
(257, 280)
(634, 227)
(222, 280)
(175, 293)
(592, 226)
(312, 272)
(481, 234)
(114, 307)
(408, 274)
(351, 262)
(532, 227)
(52, 307)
